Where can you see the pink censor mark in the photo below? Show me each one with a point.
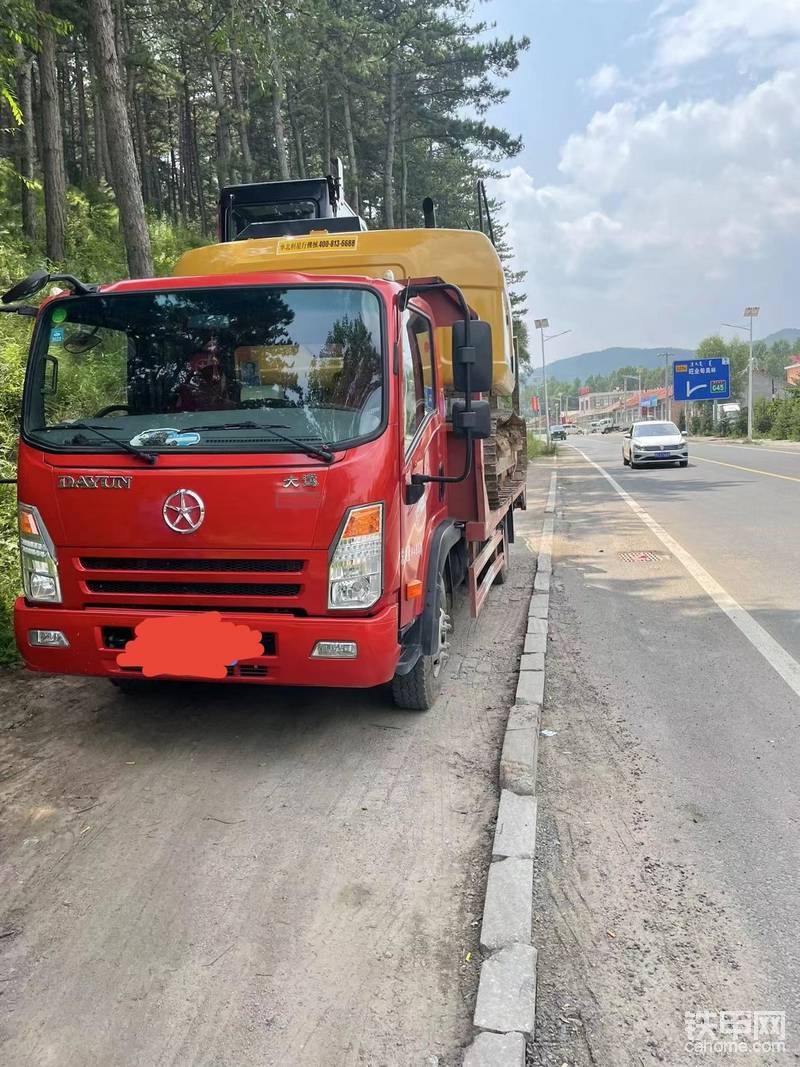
(194, 646)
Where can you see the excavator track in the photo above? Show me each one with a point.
(505, 458)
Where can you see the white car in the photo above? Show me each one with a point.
(654, 442)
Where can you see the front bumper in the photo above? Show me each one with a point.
(667, 455)
(291, 663)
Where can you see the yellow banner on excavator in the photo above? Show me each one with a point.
(323, 243)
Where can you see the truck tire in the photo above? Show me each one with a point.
(419, 689)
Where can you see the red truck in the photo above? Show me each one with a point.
(287, 435)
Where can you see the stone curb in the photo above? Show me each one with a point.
(507, 910)
(518, 758)
(505, 1009)
(496, 1050)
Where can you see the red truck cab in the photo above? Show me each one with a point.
(274, 448)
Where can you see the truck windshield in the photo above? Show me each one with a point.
(204, 369)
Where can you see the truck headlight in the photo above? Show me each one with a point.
(355, 570)
(38, 555)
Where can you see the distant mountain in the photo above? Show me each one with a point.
(791, 335)
(608, 360)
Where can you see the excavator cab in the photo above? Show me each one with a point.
(287, 208)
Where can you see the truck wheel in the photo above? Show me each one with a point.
(502, 575)
(419, 689)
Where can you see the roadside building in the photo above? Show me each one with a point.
(793, 371)
(626, 407)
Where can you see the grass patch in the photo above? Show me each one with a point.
(537, 447)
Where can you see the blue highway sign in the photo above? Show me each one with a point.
(701, 379)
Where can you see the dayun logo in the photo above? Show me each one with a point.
(184, 511)
(94, 481)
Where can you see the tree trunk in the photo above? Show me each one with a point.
(52, 145)
(224, 150)
(68, 109)
(297, 137)
(124, 175)
(86, 170)
(139, 123)
(100, 144)
(26, 142)
(355, 198)
(403, 178)
(174, 185)
(198, 174)
(391, 137)
(277, 107)
(327, 149)
(242, 117)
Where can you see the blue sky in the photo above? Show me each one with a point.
(659, 189)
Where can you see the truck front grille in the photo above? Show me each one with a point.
(195, 588)
(222, 566)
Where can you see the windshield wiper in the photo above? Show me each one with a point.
(324, 454)
(124, 446)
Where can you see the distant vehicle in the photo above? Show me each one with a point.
(600, 425)
(654, 442)
(558, 433)
(572, 428)
(728, 412)
(608, 426)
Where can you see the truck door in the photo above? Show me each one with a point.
(424, 449)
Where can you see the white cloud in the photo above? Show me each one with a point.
(666, 219)
(707, 27)
(606, 79)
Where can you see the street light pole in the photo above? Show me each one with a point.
(750, 382)
(667, 397)
(542, 325)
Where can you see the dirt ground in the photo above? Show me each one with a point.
(252, 876)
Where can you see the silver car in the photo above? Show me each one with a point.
(654, 442)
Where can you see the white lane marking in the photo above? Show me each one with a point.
(750, 470)
(763, 449)
(775, 655)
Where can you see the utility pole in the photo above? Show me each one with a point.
(749, 313)
(638, 379)
(667, 397)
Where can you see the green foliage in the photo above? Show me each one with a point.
(537, 447)
(98, 255)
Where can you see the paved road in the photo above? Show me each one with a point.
(267, 877)
(669, 845)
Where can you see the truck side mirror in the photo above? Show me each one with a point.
(477, 421)
(478, 356)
